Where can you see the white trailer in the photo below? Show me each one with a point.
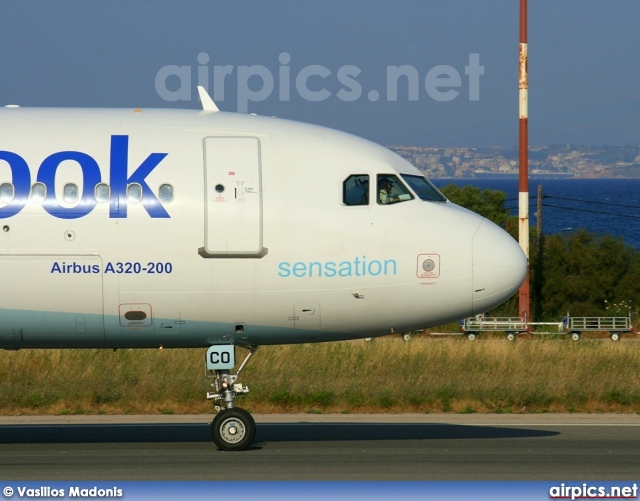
(615, 326)
(511, 326)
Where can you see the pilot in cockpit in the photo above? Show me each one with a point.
(385, 185)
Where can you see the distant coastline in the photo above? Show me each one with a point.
(545, 162)
(516, 175)
(510, 176)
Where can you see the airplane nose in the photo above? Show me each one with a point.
(499, 267)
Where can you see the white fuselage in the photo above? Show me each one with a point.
(193, 228)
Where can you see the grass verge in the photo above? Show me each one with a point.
(386, 375)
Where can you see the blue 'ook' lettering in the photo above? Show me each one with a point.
(21, 183)
(90, 175)
(119, 179)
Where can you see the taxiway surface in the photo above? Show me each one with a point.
(325, 447)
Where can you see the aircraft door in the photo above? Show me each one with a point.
(233, 194)
(63, 304)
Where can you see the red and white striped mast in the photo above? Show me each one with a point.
(523, 199)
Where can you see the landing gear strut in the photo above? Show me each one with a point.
(233, 428)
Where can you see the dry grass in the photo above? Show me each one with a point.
(389, 375)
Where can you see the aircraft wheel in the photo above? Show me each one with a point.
(233, 429)
(511, 336)
(471, 336)
(575, 336)
(615, 336)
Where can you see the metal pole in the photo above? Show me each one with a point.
(539, 220)
(523, 211)
(538, 265)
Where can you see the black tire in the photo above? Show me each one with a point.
(472, 336)
(615, 336)
(233, 429)
(511, 336)
(575, 336)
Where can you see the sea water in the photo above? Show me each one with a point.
(600, 206)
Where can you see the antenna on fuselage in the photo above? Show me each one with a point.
(205, 98)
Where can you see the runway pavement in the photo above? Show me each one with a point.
(325, 447)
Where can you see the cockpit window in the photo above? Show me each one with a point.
(391, 190)
(423, 188)
(355, 190)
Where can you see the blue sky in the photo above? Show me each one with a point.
(583, 65)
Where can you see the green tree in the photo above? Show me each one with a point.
(587, 275)
(584, 274)
(487, 203)
(580, 272)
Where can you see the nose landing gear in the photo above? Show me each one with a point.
(233, 428)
